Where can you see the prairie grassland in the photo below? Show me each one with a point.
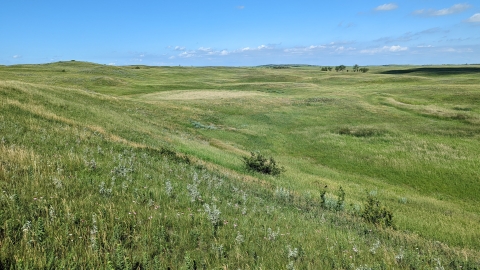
(141, 167)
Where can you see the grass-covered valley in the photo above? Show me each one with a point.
(140, 167)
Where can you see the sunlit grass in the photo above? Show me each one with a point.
(86, 153)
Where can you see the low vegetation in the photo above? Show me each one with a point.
(259, 163)
(100, 168)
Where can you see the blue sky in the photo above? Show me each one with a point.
(240, 32)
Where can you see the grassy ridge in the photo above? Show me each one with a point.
(89, 176)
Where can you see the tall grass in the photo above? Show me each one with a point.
(93, 179)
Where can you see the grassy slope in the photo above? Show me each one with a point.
(410, 136)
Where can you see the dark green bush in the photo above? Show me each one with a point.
(259, 163)
(377, 214)
(363, 70)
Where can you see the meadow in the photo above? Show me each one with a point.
(140, 167)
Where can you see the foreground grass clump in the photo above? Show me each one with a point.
(93, 179)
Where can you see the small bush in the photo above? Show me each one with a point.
(377, 214)
(331, 202)
(257, 162)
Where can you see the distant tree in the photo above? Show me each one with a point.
(355, 68)
(340, 68)
(364, 69)
(329, 68)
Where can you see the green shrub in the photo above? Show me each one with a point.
(257, 162)
(331, 202)
(377, 214)
(363, 70)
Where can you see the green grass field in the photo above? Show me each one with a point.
(105, 167)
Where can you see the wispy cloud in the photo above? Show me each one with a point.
(425, 46)
(330, 48)
(474, 19)
(270, 49)
(261, 47)
(386, 7)
(385, 49)
(346, 25)
(411, 35)
(16, 56)
(457, 8)
(240, 7)
(305, 49)
(455, 50)
(179, 48)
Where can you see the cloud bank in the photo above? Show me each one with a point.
(386, 7)
(457, 8)
(474, 19)
(385, 49)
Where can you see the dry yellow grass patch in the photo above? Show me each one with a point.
(200, 94)
(41, 111)
(227, 147)
(15, 155)
(437, 111)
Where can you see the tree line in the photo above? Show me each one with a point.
(356, 68)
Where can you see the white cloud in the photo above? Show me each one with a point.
(385, 49)
(456, 50)
(111, 64)
(425, 46)
(395, 48)
(178, 48)
(187, 54)
(16, 56)
(343, 49)
(240, 7)
(386, 7)
(475, 18)
(331, 48)
(261, 47)
(457, 8)
(305, 49)
(203, 49)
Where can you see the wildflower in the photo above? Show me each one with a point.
(272, 235)
(213, 213)
(292, 253)
(239, 239)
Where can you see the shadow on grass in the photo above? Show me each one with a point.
(435, 70)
